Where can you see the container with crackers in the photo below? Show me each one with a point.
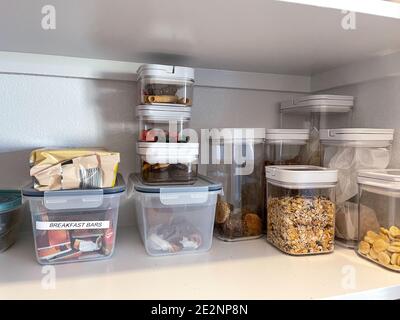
(379, 218)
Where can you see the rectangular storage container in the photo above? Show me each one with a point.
(164, 124)
(175, 219)
(301, 209)
(168, 163)
(350, 150)
(379, 217)
(74, 225)
(165, 85)
(10, 217)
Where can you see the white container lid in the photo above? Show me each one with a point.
(378, 137)
(165, 71)
(301, 177)
(319, 103)
(383, 178)
(324, 97)
(237, 135)
(164, 152)
(163, 113)
(288, 136)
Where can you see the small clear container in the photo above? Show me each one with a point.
(74, 225)
(175, 220)
(237, 162)
(285, 146)
(316, 112)
(10, 217)
(379, 217)
(301, 209)
(168, 163)
(165, 85)
(163, 124)
(350, 150)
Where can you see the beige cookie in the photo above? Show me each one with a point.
(372, 234)
(394, 231)
(369, 240)
(393, 249)
(384, 258)
(364, 247)
(394, 258)
(373, 254)
(384, 230)
(395, 243)
(380, 245)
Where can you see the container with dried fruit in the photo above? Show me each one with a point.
(316, 112)
(285, 146)
(238, 163)
(350, 150)
(175, 219)
(301, 209)
(163, 124)
(379, 218)
(74, 225)
(168, 163)
(165, 85)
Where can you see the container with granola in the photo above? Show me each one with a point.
(301, 209)
(379, 218)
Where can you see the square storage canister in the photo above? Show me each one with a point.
(175, 219)
(74, 225)
(301, 209)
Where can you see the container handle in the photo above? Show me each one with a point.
(182, 196)
(73, 199)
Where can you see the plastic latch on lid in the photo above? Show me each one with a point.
(182, 196)
(73, 199)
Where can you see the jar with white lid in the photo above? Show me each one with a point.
(168, 163)
(350, 150)
(316, 112)
(237, 161)
(166, 85)
(301, 209)
(161, 124)
(379, 217)
(285, 146)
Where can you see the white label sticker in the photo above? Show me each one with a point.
(71, 225)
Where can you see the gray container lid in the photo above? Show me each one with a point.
(200, 185)
(119, 187)
(9, 200)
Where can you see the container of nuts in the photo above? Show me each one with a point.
(301, 209)
(379, 217)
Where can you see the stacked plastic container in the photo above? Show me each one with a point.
(175, 208)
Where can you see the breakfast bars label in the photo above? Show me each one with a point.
(72, 225)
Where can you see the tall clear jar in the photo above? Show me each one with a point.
(285, 146)
(379, 217)
(237, 161)
(350, 150)
(301, 209)
(165, 85)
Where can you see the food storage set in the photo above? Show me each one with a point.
(301, 208)
(237, 162)
(315, 112)
(350, 150)
(10, 217)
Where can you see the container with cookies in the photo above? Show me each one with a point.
(237, 161)
(285, 146)
(379, 218)
(301, 209)
(163, 124)
(168, 163)
(165, 85)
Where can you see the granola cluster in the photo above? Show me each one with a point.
(301, 225)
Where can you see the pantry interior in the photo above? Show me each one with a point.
(76, 86)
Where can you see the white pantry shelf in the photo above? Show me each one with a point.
(241, 270)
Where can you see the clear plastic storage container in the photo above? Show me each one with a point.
(168, 163)
(379, 217)
(167, 85)
(74, 225)
(10, 217)
(163, 124)
(301, 209)
(175, 219)
(237, 161)
(350, 150)
(285, 146)
(315, 112)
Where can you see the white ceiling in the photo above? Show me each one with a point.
(253, 35)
